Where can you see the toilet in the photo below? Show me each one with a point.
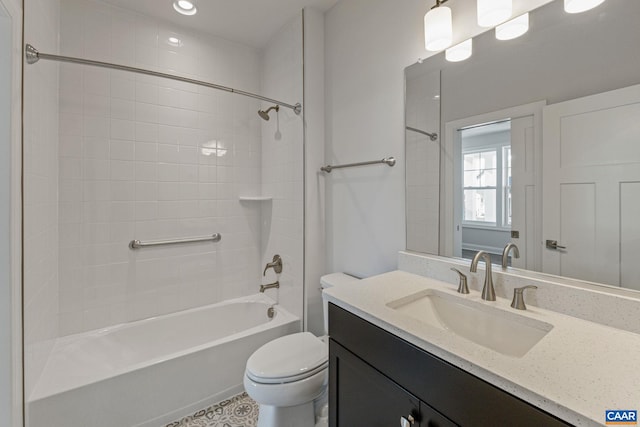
(288, 376)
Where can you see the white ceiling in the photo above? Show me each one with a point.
(251, 22)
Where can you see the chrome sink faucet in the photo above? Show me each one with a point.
(505, 254)
(488, 293)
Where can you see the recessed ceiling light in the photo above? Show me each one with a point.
(185, 7)
(174, 41)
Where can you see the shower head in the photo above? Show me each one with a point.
(265, 113)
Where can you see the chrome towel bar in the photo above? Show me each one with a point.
(137, 244)
(390, 161)
(432, 136)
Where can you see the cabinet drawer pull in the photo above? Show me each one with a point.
(407, 421)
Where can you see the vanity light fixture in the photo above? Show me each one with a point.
(493, 12)
(577, 6)
(438, 27)
(459, 52)
(514, 28)
(185, 7)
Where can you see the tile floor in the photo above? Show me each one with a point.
(237, 411)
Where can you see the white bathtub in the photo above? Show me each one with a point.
(152, 371)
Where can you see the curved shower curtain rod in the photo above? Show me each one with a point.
(32, 56)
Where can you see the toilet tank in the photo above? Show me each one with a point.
(329, 281)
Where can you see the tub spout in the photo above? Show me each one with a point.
(273, 285)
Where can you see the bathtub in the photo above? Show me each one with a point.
(150, 372)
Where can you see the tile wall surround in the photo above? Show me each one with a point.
(423, 162)
(40, 171)
(617, 308)
(138, 160)
(282, 164)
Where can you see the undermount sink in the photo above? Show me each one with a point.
(505, 332)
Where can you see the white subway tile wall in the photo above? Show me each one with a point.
(148, 158)
(41, 191)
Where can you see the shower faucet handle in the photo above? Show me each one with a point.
(276, 264)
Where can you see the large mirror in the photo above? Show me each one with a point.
(537, 143)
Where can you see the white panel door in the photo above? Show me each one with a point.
(523, 190)
(591, 196)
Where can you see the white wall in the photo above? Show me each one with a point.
(40, 145)
(10, 215)
(314, 242)
(138, 160)
(5, 213)
(368, 45)
(282, 166)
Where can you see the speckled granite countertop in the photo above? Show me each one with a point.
(576, 372)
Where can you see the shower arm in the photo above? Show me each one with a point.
(32, 55)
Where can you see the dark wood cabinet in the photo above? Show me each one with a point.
(375, 378)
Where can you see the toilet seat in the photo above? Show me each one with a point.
(288, 359)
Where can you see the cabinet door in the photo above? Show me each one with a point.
(359, 396)
(429, 417)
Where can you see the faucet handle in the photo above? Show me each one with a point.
(462, 285)
(276, 264)
(518, 297)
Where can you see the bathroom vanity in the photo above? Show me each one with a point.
(407, 349)
(377, 378)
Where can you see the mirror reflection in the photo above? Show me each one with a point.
(538, 145)
(486, 188)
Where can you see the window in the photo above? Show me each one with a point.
(484, 201)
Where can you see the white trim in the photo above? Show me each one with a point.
(492, 250)
(451, 242)
(479, 226)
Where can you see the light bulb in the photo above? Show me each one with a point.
(459, 52)
(438, 29)
(514, 28)
(577, 6)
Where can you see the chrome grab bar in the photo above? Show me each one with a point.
(137, 244)
(390, 161)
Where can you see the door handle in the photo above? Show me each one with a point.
(553, 244)
(407, 421)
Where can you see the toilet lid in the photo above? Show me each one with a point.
(286, 359)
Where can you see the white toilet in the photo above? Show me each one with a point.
(287, 375)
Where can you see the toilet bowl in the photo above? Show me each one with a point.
(288, 375)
